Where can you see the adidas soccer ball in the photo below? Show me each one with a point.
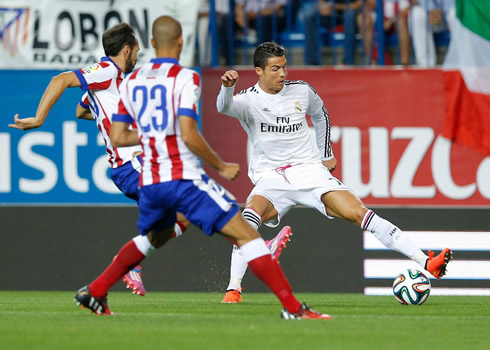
(411, 287)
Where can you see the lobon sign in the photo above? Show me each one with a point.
(52, 34)
(385, 136)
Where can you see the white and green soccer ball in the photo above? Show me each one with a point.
(411, 287)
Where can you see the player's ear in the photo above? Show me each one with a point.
(126, 50)
(259, 71)
(152, 43)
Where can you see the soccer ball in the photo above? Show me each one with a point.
(411, 287)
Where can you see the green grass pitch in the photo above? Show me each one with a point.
(50, 320)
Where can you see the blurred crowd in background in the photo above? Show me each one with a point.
(326, 32)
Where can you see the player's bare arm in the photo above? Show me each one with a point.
(122, 136)
(331, 164)
(52, 93)
(84, 113)
(230, 78)
(198, 145)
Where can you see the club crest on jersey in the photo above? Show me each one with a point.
(92, 68)
(298, 107)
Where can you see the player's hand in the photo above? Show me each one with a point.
(435, 17)
(325, 8)
(229, 78)
(331, 164)
(230, 171)
(25, 123)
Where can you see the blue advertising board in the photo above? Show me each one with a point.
(63, 162)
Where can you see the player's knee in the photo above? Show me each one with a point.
(355, 214)
(239, 230)
(245, 233)
(158, 239)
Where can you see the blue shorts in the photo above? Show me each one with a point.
(204, 203)
(127, 178)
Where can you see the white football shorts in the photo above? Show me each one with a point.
(302, 184)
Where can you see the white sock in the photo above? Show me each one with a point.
(392, 237)
(237, 269)
(143, 244)
(252, 218)
(238, 265)
(254, 249)
(177, 230)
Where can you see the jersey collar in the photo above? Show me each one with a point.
(160, 60)
(105, 58)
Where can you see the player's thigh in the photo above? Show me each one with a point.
(155, 212)
(345, 205)
(206, 204)
(126, 179)
(160, 238)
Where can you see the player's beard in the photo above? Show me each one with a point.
(130, 63)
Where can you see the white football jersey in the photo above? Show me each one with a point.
(154, 96)
(277, 127)
(101, 81)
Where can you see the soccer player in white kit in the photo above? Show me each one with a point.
(161, 97)
(100, 82)
(288, 167)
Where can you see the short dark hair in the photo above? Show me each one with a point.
(266, 50)
(115, 38)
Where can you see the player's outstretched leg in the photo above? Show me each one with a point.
(437, 265)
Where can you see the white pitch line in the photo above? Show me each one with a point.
(458, 269)
(438, 240)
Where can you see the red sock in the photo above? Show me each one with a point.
(182, 226)
(128, 257)
(182, 229)
(269, 272)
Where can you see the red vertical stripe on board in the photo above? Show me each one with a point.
(17, 25)
(467, 119)
(26, 25)
(174, 154)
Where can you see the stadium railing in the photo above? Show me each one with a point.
(240, 43)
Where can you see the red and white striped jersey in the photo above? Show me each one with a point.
(101, 82)
(153, 97)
